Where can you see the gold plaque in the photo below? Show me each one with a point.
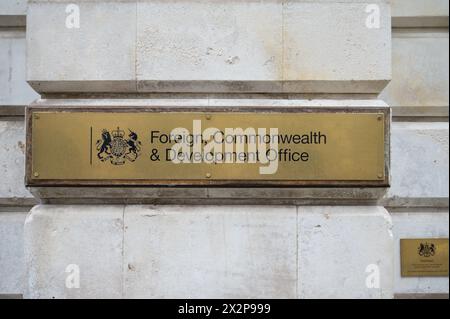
(286, 147)
(424, 257)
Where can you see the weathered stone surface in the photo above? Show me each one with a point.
(207, 251)
(89, 237)
(337, 244)
(419, 85)
(222, 100)
(419, 162)
(11, 252)
(13, 7)
(204, 46)
(246, 251)
(401, 9)
(209, 41)
(210, 252)
(12, 13)
(420, 13)
(14, 90)
(328, 47)
(98, 56)
(12, 164)
(419, 224)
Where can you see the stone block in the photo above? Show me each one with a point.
(329, 48)
(13, 7)
(62, 242)
(340, 248)
(12, 164)
(419, 164)
(222, 45)
(420, 13)
(209, 46)
(14, 90)
(210, 252)
(13, 13)
(190, 251)
(12, 266)
(96, 57)
(419, 85)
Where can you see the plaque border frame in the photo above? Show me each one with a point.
(33, 182)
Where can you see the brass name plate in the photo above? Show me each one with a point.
(424, 257)
(285, 147)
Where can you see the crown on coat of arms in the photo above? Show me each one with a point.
(118, 133)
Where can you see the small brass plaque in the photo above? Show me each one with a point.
(308, 146)
(424, 257)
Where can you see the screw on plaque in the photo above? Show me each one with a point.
(208, 175)
(208, 116)
(379, 117)
(36, 174)
(36, 116)
(380, 176)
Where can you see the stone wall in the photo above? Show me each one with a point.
(215, 242)
(208, 251)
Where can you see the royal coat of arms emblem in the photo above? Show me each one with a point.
(117, 148)
(426, 250)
